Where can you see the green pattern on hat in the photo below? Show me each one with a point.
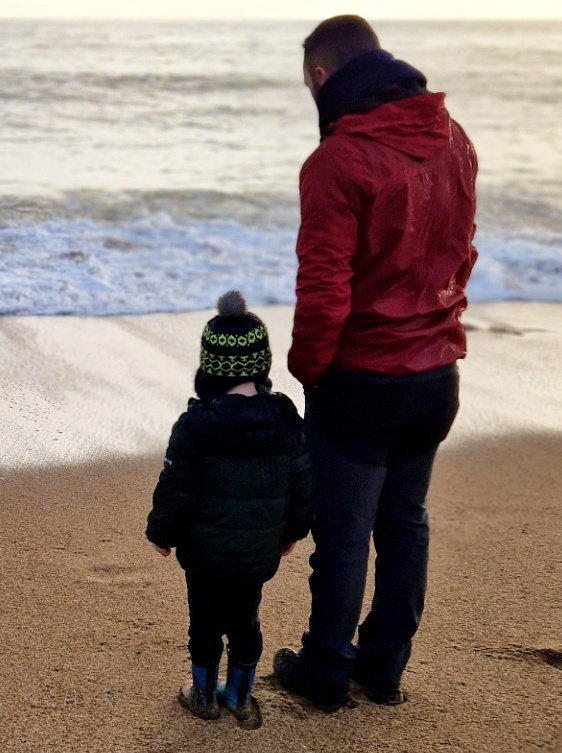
(254, 335)
(236, 366)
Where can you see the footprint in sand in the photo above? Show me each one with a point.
(472, 324)
(110, 574)
(549, 656)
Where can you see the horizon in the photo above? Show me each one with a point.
(269, 19)
(291, 10)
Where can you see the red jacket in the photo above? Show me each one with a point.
(385, 243)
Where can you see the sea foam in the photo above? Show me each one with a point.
(156, 263)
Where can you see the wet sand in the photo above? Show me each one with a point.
(93, 621)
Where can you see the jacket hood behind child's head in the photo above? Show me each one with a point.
(234, 349)
(237, 425)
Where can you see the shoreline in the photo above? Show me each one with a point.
(77, 388)
(516, 302)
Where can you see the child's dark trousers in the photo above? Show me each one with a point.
(220, 608)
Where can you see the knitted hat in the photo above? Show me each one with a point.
(235, 343)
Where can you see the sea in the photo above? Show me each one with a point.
(149, 166)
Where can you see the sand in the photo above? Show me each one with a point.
(93, 621)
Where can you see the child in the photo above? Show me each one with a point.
(233, 497)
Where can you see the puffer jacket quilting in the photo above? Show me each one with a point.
(236, 485)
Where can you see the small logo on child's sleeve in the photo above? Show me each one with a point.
(167, 463)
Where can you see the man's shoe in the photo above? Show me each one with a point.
(298, 676)
(286, 670)
(385, 696)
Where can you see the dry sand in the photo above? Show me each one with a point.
(93, 621)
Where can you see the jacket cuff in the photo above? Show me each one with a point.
(307, 375)
(161, 543)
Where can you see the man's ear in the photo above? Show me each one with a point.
(321, 74)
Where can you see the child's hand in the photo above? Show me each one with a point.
(287, 548)
(163, 552)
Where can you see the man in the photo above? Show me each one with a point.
(385, 252)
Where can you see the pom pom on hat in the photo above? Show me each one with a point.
(232, 304)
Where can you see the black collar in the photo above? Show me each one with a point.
(367, 81)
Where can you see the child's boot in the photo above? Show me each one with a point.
(236, 696)
(201, 699)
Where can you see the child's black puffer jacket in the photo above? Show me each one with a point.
(236, 485)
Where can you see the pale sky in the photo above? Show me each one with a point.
(271, 9)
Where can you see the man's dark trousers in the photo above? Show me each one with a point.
(372, 439)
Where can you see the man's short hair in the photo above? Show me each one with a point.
(337, 40)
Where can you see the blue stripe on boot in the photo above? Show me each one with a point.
(236, 696)
(236, 691)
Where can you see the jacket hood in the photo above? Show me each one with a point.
(234, 424)
(417, 126)
(366, 81)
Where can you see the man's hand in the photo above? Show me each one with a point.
(163, 552)
(287, 548)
